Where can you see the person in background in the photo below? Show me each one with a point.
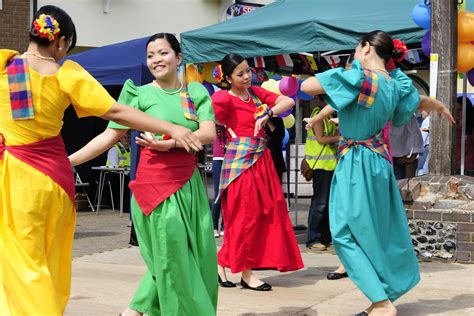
(406, 144)
(119, 156)
(253, 204)
(170, 208)
(37, 214)
(425, 134)
(218, 152)
(275, 131)
(368, 221)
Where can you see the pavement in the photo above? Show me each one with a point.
(106, 272)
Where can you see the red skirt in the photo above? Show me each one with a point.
(258, 231)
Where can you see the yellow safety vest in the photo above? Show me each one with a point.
(123, 155)
(327, 154)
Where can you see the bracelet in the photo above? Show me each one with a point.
(270, 113)
(174, 143)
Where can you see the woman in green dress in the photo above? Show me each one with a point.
(367, 217)
(170, 209)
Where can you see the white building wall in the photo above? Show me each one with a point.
(130, 19)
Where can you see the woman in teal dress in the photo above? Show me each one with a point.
(170, 209)
(367, 217)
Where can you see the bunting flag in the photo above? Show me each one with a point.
(312, 62)
(259, 62)
(284, 61)
(260, 74)
(333, 60)
(412, 56)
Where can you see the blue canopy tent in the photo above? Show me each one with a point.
(114, 64)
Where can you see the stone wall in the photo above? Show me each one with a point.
(440, 213)
(15, 23)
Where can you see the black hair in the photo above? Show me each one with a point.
(229, 63)
(170, 38)
(382, 42)
(66, 26)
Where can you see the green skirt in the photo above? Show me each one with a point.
(177, 243)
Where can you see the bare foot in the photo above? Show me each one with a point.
(340, 269)
(383, 308)
(130, 312)
(250, 279)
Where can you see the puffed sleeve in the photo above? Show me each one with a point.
(341, 87)
(128, 96)
(202, 101)
(87, 95)
(409, 98)
(267, 97)
(220, 104)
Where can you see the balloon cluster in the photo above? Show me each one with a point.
(422, 17)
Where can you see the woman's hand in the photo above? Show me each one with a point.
(186, 137)
(309, 123)
(431, 105)
(259, 124)
(149, 140)
(443, 111)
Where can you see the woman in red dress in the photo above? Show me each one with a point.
(258, 232)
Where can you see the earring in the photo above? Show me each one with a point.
(59, 48)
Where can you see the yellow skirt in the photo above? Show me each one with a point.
(37, 220)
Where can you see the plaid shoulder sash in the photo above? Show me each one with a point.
(375, 143)
(188, 106)
(19, 84)
(369, 89)
(241, 153)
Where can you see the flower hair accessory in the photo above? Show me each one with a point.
(46, 27)
(399, 45)
(218, 74)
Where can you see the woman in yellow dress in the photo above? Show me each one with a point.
(37, 214)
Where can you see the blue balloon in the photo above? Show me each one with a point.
(285, 139)
(301, 94)
(421, 15)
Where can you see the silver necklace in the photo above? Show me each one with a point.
(169, 92)
(40, 57)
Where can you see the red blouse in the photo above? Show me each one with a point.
(237, 114)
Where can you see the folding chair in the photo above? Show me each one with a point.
(79, 184)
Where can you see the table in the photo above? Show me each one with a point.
(121, 171)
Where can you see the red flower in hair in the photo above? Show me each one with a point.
(399, 45)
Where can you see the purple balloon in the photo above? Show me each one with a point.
(285, 114)
(426, 44)
(209, 87)
(470, 76)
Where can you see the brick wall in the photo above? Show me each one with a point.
(15, 23)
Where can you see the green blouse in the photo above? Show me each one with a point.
(167, 107)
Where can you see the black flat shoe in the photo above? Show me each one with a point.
(262, 287)
(363, 313)
(337, 276)
(226, 283)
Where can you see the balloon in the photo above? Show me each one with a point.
(465, 26)
(288, 86)
(285, 139)
(209, 87)
(421, 15)
(289, 121)
(285, 114)
(470, 77)
(426, 43)
(272, 86)
(465, 57)
(208, 72)
(304, 96)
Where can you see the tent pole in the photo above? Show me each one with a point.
(298, 136)
(463, 125)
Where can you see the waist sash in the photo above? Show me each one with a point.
(241, 153)
(159, 175)
(47, 156)
(375, 143)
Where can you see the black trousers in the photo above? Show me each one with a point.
(318, 217)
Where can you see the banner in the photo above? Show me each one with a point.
(238, 9)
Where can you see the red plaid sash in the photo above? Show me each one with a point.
(375, 143)
(241, 153)
(21, 98)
